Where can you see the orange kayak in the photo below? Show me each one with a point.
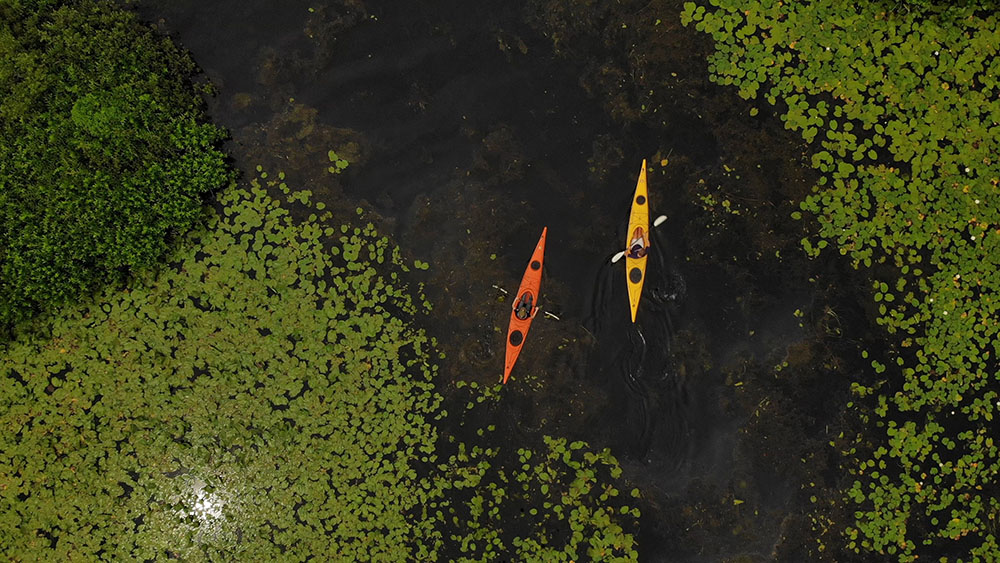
(525, 306)
(637, 243)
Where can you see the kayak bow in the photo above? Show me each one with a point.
(638, 229)
(525, 306)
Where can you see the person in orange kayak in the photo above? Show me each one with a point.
(524, 306)
(637, 248)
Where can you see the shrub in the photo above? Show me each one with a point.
(104, 152)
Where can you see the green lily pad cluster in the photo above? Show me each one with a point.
(559, 504)
(105, 153)
(337, 164)
(261, 398)
(954, 8)
(903, 113)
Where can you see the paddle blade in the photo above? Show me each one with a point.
(617, 257)
(659, 220)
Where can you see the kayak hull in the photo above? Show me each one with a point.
(635, 268)
(517, 331)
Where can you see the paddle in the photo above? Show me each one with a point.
(659, 221)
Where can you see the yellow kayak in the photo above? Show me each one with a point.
(637, 243)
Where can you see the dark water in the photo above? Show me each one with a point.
(466, 136)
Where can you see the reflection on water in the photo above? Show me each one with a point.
(199, 514)
(207, 506)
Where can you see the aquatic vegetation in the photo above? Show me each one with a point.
(567, 507)
(337, 163)
(946, 9)
(901, 111)
(104, 150)
(478, 394)
(262, 397)
(265, 395)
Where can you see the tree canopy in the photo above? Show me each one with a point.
(105, 153)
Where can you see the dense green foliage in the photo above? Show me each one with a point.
(104, 153)
(267, 396)
(903, 115)
(238, 404)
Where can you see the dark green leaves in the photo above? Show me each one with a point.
(104, 154)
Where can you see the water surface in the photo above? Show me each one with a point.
(466, 135)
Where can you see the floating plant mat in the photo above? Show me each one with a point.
(235, 404)
(556, 504)
(266, 396)
(901, 110)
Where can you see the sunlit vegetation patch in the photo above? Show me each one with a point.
(104, 150)
(558, 504)
(261, 399)
(902, 110)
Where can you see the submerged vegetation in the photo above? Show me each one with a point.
(902, 111)
(104, 150)
(268, 395)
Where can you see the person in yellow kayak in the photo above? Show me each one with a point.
(524, 306)
(638, 247)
